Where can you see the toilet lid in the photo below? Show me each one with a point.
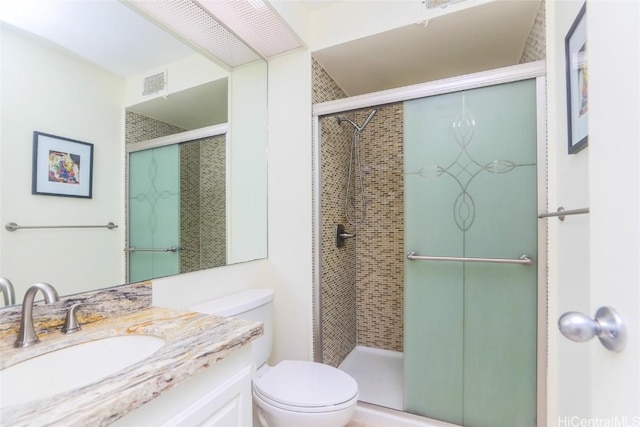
(306, 384)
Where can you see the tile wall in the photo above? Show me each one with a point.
(338, 277)
(362, 282)
(536, 48)
(380, 239)
(203, 204)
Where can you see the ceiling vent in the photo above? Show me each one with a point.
(155, 84)
(256, 23)
(235, 32)
(430, 4)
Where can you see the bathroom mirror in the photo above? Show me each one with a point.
(50, 86)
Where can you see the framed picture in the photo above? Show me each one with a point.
(61, 166)
(577, 83)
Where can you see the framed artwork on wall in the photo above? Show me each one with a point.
(577, 83)
(61, 166)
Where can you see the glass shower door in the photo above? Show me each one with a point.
(154, 212)
(470, 191)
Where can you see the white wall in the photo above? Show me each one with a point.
(290, 202)
(568, 391)
(247, 195)
(184, 290)
(48, 90)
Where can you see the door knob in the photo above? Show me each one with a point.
(607, 326)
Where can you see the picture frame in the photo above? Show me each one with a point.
(61, 166)
(577, 83)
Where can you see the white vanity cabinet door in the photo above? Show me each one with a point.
(224, 406)
(218, 396)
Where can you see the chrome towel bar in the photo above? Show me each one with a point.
(561, 213)
(524, 259)
(171, 249)
(12, 226)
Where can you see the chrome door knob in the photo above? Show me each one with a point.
(607, 326)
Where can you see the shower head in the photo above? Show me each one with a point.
(340, 120)
(358, 128)
(366, 122)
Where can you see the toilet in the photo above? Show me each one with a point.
(294, 392)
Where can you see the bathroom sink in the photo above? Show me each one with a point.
(73, 367)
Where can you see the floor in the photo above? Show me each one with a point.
(358, 424)
(379, 374)
(368, 415)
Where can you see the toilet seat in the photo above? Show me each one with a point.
(302, 386)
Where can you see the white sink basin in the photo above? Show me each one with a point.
(73, 367)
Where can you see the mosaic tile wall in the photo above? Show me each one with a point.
(339, 328)
(362, 282)
(189, 206)
(535, 49)
(203, 177)
(203, 204)
(139, 128)
(213, 196)
(324, 88)
(380, 240)
(338, 279)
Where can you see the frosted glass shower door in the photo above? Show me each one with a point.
(154, 212)
(470, 191)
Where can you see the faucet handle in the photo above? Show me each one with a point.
(7, 291)
(71, 324)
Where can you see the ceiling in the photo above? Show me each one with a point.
(106, 33)
(317, 4)
(178, 108)
(479, 38)
(487, 36)
(118, 39)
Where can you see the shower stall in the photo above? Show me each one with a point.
(436, 306)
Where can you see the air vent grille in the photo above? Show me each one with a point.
(155, 84)
(196, 25)
(440, 3)
(256, 23)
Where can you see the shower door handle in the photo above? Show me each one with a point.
(524, 259)
(607, 326)
(171, 249)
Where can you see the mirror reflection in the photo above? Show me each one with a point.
(177, 208)
(126, 91)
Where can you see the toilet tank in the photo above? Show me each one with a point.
(251, 304)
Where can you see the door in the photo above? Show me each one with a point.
(471, 192)
(613, 395)
(154, 213)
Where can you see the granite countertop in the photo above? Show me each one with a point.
(193, 341)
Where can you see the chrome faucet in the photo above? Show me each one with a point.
(27, 335)
(6, 288)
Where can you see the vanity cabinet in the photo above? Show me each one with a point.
(219, 396)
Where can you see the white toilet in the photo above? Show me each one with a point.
(294, 392)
